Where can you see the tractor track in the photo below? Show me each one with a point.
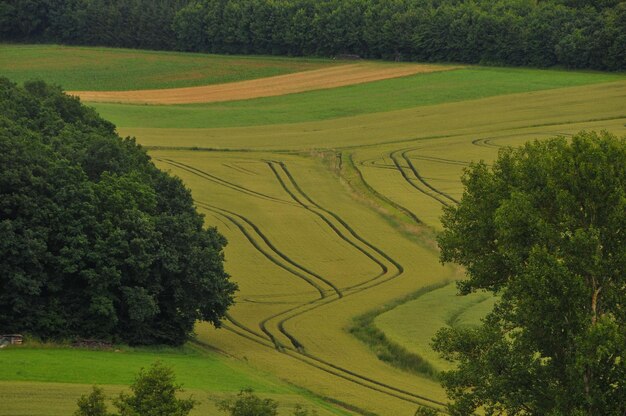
(380, 196)
(220, 181)
(266, 338)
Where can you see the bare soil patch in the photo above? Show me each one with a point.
(336, 76)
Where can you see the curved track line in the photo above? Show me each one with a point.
(422, 180)
(382, 197)
(397, 162)
(332, 226)
(270, 341)
(220, 181)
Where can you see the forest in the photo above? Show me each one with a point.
(539, 33)
(96, 241)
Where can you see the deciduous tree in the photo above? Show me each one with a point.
(545, 228)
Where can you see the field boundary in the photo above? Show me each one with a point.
(333, 77)
(364, 330)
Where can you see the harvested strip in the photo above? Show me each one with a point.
(333, 77)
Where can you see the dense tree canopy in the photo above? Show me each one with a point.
(570, 33)
(545, 228)
(96, 241)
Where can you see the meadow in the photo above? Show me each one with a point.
(330, 201)
(83, 68)
(48, 379)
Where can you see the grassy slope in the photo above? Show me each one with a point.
(56, 377)
(194, 369)
(381, 96)
(81, 68)
(438, 308)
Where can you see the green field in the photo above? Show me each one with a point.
(374, 97)
(103, 69)
(60, 375)
(436, 309)
(195, 368)
(330, 201)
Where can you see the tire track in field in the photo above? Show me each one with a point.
(300, 272)
(380, 196)
(239, 169)
(223, 182)
(421, 185)
(268, 340)
(230, 216)
(349, 375)
(324, 214)
(486, 142)
(323, 217)
(315, 304)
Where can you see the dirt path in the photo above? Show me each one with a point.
(336, 76)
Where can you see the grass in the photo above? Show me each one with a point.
(387, 350)
(436, 309)
(103, 69)
(374, 97)
(48, 381)
(194, 369)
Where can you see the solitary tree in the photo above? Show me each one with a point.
(545, 228)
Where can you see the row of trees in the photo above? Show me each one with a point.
(516, 32)
(144, 24)
(96, 241)
(570, 33)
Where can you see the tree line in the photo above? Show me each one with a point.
(96, 241)
(541, 33)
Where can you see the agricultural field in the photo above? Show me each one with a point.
(330, 200)
(103, 69)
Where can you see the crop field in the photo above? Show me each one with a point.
(330, 201)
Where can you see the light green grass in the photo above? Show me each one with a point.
(380, 96)
(194, 369)
(82, 68)
(56, 376)
(413, 324)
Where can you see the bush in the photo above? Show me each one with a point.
(153, 394)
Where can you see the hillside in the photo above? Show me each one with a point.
(330, 200)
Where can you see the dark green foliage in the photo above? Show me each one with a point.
(249, 404)
(521, 32)
(426, 411)
(96, 242)
(544, 227)
(131, 23)
(569, 33)
(92, 405)
(153, 394)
